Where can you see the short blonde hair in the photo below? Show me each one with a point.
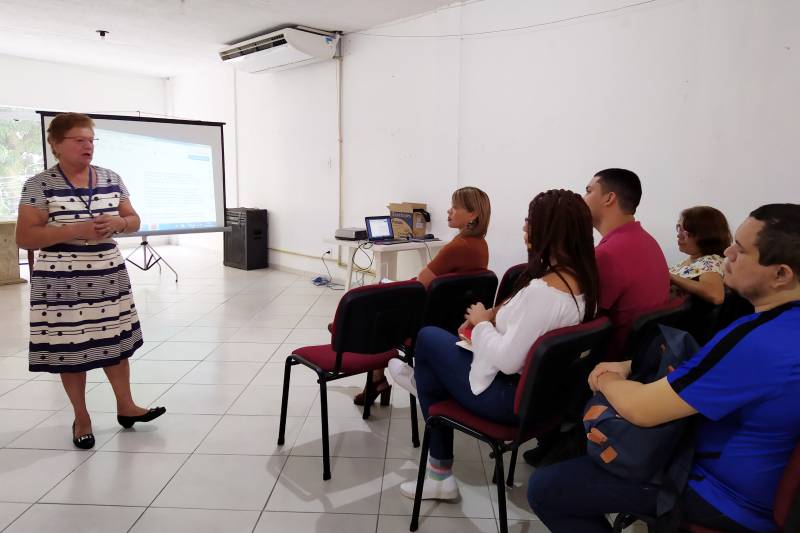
(475, 201)
(62, 123)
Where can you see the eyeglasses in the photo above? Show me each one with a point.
(83, 140)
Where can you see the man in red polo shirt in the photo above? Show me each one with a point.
(634, 276)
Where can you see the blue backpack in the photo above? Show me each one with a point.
(660, 454)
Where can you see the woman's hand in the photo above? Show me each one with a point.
(622, 369)
(477, 313)
(86, 231)
(107, 225)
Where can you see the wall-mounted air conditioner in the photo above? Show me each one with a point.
(282, 49)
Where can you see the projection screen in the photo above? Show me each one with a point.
(174, 169)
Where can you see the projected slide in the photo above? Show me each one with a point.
(173, 168)
(171, 182)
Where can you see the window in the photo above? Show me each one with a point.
(20, 155)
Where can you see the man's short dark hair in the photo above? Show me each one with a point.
(778, 242)
(625, 184)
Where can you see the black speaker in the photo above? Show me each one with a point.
(246, 245)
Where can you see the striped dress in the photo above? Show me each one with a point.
(82, 310)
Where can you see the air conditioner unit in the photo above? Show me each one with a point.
(282, 49)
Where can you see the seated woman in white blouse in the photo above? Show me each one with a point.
(558, 289)
(703, 235)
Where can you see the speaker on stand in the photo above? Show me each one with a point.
(246, 245)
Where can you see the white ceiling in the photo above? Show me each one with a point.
(166, 37)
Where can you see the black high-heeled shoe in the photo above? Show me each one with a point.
(151, 414)
(84, 442)
(379, 388)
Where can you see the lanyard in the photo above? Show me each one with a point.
(88, 203)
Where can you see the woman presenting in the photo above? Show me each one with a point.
(82, 311)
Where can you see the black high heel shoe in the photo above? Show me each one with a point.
(84, 442)
(151, 414)
(379, 388)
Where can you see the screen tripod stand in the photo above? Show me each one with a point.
(151, 258)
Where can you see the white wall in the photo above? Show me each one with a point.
(60, 87)
(209, 95)
(695, 96)
(699, 97)
(289, 157)
(401, 122)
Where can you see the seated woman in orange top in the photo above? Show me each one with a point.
(469, 214)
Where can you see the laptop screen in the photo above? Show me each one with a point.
(379, 228)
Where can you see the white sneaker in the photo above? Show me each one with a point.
(403, 375)
(446, 489)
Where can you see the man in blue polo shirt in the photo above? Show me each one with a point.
(745, 384)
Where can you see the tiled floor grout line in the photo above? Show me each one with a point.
(91, 454)
(383, 470)
(261, 368)
(288, 455)
(18, 516)
(286, 461)
(194, 451)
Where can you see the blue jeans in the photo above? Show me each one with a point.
(575, 496)
(441, 370)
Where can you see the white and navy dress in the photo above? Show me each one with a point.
(82, 310)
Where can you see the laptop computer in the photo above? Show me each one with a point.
(379, 230)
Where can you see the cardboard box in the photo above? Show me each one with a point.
(409, 218)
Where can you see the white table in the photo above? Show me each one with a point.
(385, 256)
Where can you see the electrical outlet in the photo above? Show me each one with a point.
(328, 251)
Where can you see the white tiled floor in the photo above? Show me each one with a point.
(214, 352)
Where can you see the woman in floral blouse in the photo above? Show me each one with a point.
(703, 235)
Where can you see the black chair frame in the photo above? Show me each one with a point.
(541, 406)
(369, 320)
(446, 300)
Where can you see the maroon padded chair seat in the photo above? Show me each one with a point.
(352, 363)
(454, 411)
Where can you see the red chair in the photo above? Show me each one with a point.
(449, 296)
(540, 404)
(508, 281)
(369, 324)
(446, 300)
(645, 327)
(786, 511)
